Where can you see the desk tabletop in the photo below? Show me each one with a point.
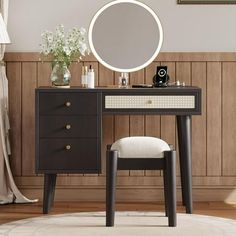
(117, 89)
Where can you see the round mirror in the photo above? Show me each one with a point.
(125, 35)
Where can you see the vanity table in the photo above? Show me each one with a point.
(69, 128)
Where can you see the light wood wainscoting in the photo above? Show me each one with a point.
(213, 136)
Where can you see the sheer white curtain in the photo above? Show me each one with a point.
(8, 190)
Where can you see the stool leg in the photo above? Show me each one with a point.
(165, 191)
(111, 170)
(49, 190)
(170, 157)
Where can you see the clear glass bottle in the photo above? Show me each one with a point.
(124, 80)
(60, 75)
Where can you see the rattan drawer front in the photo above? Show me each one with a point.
(150, 102)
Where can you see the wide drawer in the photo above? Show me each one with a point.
(150, 102)
(69, 126)
(68, 103)
(65, 155)
(168, 101)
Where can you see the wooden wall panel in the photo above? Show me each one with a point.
(105, 76)
(116, 78)
(43, 74)
(199, 122)
(214, 133)
(213, 103)
(29, 83)
(229, 121)
(14, 83)
(183, 72)
(76, 71)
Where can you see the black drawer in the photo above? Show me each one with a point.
(69, 126)
(68, 103)
(69, 155)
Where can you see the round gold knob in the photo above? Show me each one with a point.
(68, 127)
(68, 147)
(68, 104)
(149, 101)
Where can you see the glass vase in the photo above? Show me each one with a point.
(60, 75)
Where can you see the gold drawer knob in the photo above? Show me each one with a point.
(68, 147)
(149, 101)
(68, 127)
(68, 104)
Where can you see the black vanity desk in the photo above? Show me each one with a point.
(69, 127)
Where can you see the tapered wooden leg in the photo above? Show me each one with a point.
(49, 190)
(165, 191)
(181, 162)
(111, 171)
(170, 157)
(184, 138)
(53, 186)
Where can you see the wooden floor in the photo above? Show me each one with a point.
(14, 212)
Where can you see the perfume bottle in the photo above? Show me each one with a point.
(91, 79)
(84, 77)
(124, 80)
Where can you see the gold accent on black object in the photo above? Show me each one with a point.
(68, 127)
(68, 104)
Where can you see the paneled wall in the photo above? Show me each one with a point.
(213, 133)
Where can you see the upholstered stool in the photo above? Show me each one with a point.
(141, 153)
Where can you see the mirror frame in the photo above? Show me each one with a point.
(113, 67)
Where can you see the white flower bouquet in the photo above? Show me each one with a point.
(64, 47)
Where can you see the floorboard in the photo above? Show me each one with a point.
(14, 212)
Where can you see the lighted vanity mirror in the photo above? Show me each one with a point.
(125, 35)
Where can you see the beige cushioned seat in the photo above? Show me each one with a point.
(140, 147)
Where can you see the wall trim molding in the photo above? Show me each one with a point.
(164, 57)
(227, 195)
(127, 181)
